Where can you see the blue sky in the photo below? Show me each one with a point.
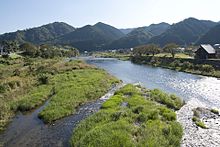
(22, 14)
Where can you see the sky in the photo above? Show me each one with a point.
(23, 14)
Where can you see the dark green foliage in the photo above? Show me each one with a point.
(47, 51)
(43, 79)
(141, 123)
(185, 65)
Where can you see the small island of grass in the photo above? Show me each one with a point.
(132, 117)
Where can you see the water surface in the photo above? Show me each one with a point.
(185, 85)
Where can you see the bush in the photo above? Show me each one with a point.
(175, 63)
(201, 124)
(2, 88)
(43, 79)
(195, 119)
(171, 101)
(187, 65)
(215, 111)
(207, 68)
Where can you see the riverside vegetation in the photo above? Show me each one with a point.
(179, 65)
(27, 83)
(134, 116)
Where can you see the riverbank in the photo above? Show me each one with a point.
(194, 135)
(134, 116)
(27, 83)
(33, 132)
(206, 68)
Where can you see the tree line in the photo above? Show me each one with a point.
(152, 49)
(43, 50)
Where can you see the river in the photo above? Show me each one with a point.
(185, 85)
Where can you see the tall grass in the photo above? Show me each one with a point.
(143, 122)
(27, 83)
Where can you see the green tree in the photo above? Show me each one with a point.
(28, 49)
(152, 49)
(139, 51)
(171, 48)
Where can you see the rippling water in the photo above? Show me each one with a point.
(187, 86)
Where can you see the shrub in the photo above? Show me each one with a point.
(170, 101)
(2, 88)
(43, 79)
(175, 63)
(215, 111)
(195, 119)
(201, 124)
(187, 65)
(207, 68)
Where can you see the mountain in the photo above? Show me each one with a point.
(157, 29)
(126, 31)
(91, 37)
(185, 32)
(211, 37)
(139, 36)
(39, 34)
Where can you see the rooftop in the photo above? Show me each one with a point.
(209, 49)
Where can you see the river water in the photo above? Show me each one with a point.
(187, 86)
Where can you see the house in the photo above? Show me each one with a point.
(205, 51)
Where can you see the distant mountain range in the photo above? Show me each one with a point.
(139, 36)
(102, 36)
(211, 37)
(185, 32)
(39, 34)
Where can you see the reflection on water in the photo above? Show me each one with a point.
(206, 89)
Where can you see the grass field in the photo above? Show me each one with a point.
(27, 83)
(178, 55)
(132, 117)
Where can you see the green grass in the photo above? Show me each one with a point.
(74, 88)
(201, 124)
(196, 118)
(171, 101)
(143, 122)
(27, 83)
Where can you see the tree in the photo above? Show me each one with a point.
(147, 49)
(139, 51)
(152, 49)
(171, 48)
(28, 49)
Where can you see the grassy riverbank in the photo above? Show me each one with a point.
(134, 116)
(178, 64)
(27, 83)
